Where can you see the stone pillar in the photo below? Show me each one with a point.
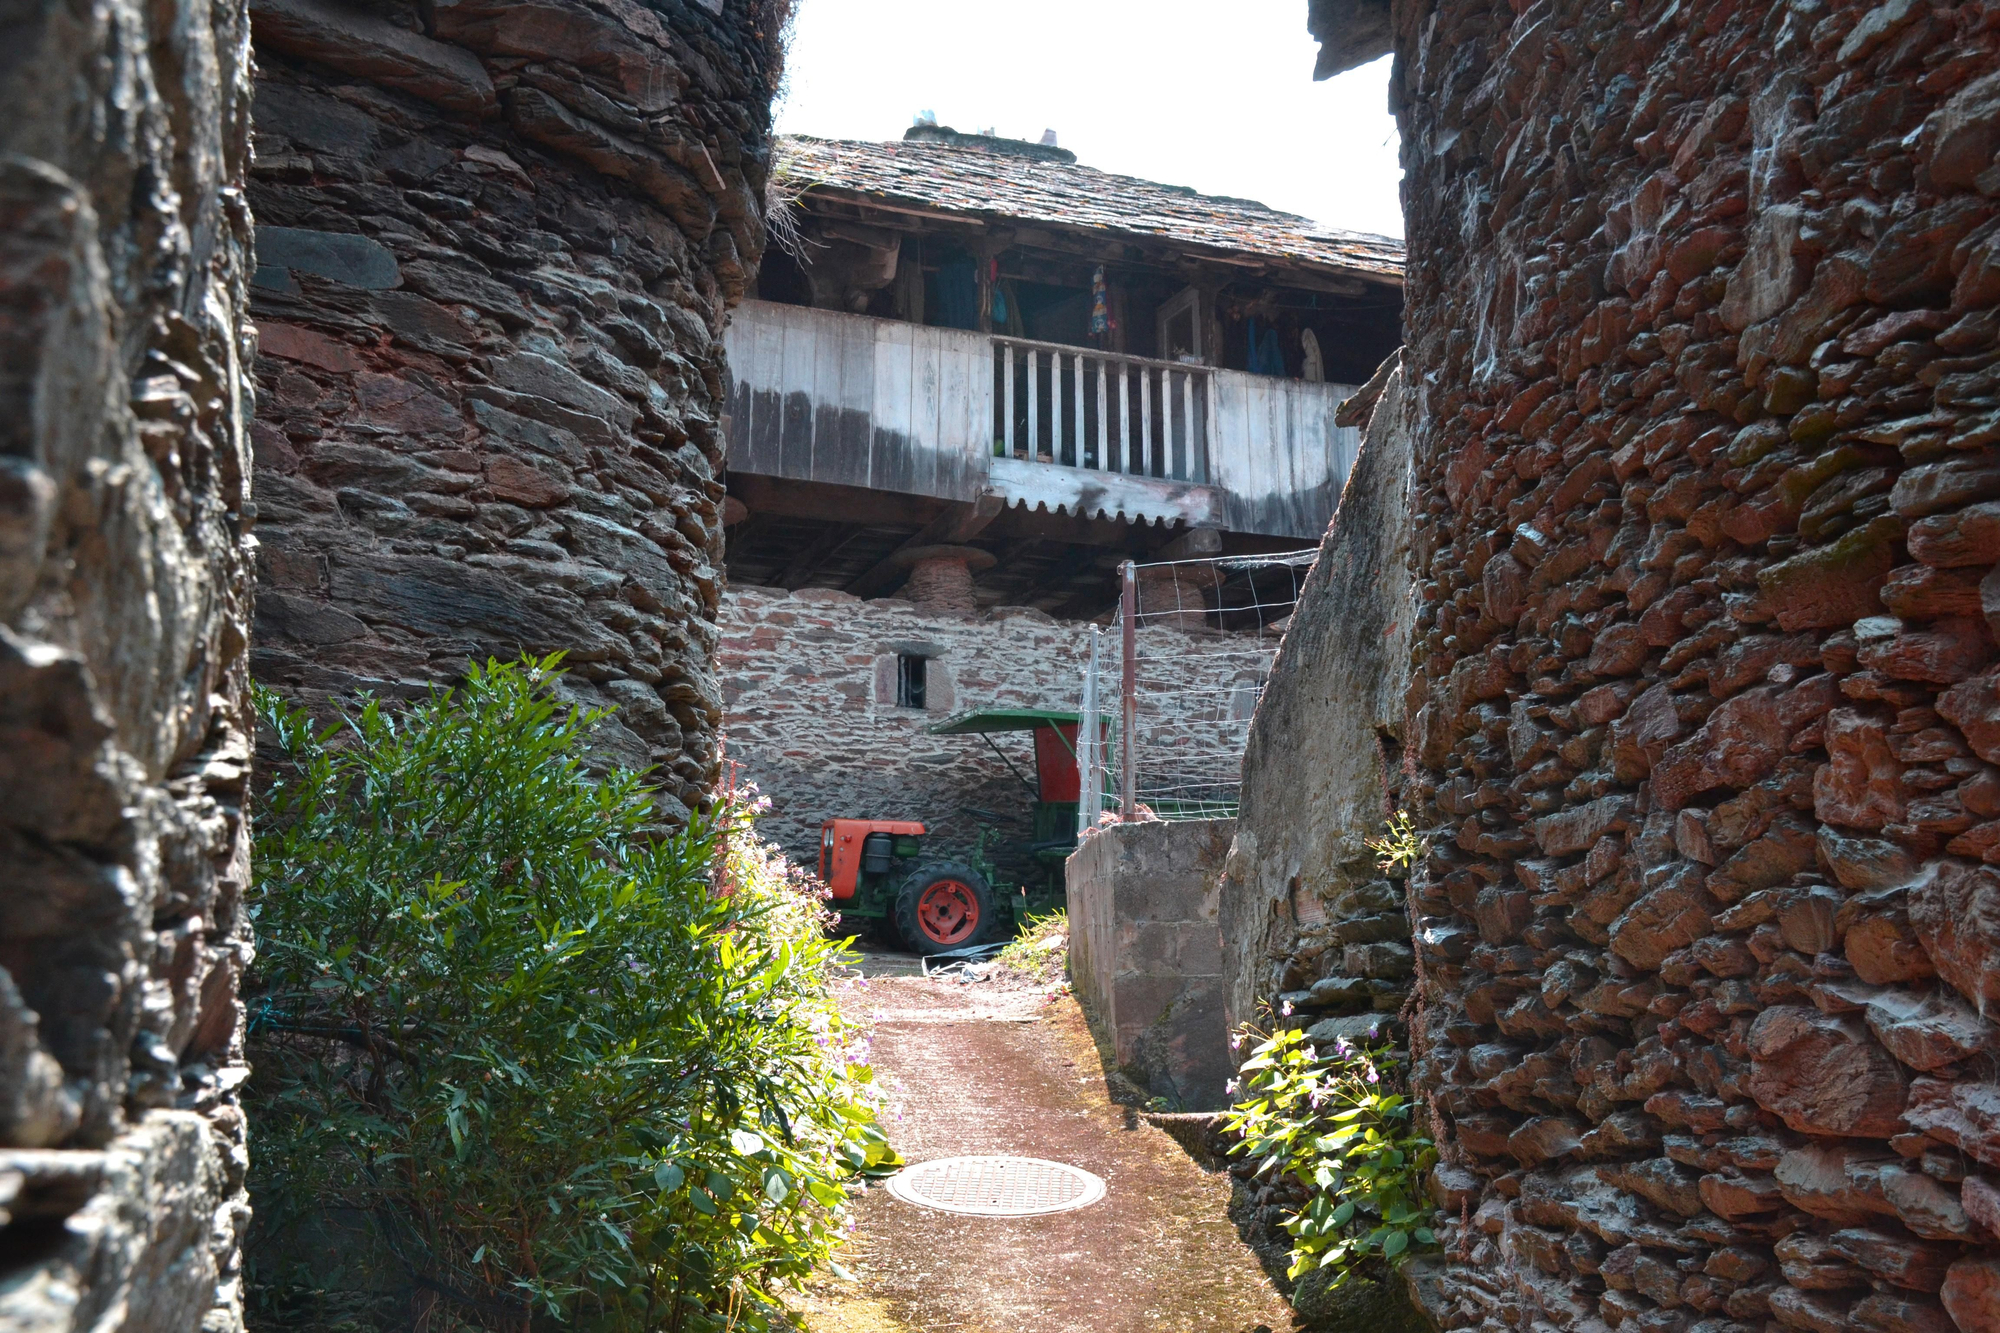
(1176, 595)
(124, 605)
(940, 584)
(1705, 723)
(499, 242)
(941, 577)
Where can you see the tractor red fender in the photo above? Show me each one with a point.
(840, 848)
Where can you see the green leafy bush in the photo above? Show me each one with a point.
(521, 1061)
(1333, 1121)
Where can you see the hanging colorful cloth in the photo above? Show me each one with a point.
(1272, 353)
(999, 297)
(1100, 304)
(1263, 354)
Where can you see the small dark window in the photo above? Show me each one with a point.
(909, 682)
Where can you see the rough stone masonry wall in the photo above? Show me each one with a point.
(124, 602)
(498, 240)
(1702, 323)
(1309, 919)
(810, 683)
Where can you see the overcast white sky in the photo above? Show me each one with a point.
(1170, 90)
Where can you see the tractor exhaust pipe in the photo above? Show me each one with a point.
(1128, 688)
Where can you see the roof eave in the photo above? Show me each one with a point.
(1387, 274)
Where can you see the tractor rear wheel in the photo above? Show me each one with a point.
(944, 906)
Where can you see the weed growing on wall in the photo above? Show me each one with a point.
(1400, 848)
(1334, 1121)
(1040, 953)
(519, 1059)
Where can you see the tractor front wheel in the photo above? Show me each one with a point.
(944, 906)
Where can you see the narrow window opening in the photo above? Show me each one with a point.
(909, 682)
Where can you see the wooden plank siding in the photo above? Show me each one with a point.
(1279, 460)
(818, 395)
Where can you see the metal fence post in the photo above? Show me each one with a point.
(1090, 745)
(1128, 613)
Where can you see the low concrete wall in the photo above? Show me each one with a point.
(1146, 955)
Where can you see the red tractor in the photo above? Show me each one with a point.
(875, 870)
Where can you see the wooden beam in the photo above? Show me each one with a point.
(1087, 605)
(802, 566)
(1010, 555)
(737, 534)
(1071, 563)
(788, 497)
(954, 527)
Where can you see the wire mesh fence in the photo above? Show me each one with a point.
(1163, 722)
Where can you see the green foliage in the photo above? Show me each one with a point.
(521, 1061)
(1400, 847)
(1333, 1121)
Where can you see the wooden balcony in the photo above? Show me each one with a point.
(849, 400)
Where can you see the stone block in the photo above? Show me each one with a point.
(1142, 912)
(360, 43)
(355, 261)
(1824, 1074)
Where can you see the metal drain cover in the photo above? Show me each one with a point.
(996, 1186)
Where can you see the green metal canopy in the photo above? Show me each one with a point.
(985, 720)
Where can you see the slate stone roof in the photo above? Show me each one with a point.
(957, 177)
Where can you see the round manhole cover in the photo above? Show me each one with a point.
(996, 1186)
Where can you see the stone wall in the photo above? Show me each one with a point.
(498, 241)
(1705, 721)
(1308, 916)
(1145, 953)
(124, 602)
(809, 680)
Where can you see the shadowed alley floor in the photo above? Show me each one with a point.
(977, 1069)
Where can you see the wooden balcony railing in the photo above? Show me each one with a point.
(1100, 411)
(825, 396)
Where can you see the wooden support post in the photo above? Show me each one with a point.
(1182, 464)
(1103, 416)
(1146, 375)
(1076, 407)
(1124, 419)
(1007, 394)
(1034, 404)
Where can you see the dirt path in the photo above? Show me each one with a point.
(980, 1069)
